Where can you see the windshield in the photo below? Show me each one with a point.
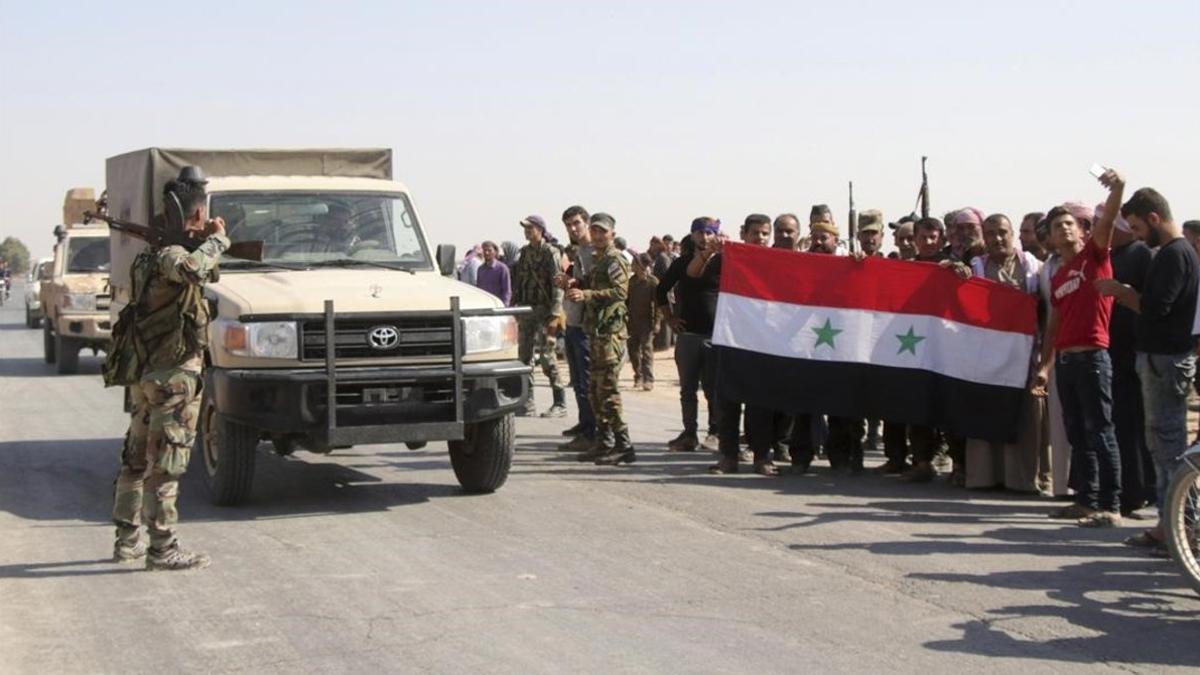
(322, 228)
(87, 254)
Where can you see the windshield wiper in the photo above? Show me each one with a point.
(259, 264)
(348, 262)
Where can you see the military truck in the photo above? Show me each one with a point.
(74, 294)
(347, 332)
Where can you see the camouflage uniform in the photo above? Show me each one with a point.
(533, 285)
(606, 320)
(172, 319)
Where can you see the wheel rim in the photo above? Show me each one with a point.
(1185, 522)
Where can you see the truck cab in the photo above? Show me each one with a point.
(346, 332)
(75, 297)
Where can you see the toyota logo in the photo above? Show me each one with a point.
(383, 337)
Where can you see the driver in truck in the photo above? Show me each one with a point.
(170, 332)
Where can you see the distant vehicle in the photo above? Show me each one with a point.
(33, 289)
(75, 295)
(348, 330)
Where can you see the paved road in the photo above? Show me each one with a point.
(372, 559)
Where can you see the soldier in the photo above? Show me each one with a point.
(172, 318)
(533, 284)
(606, 320)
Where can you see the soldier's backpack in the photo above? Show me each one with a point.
(126, 355)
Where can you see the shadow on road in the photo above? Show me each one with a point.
(71, 568)
(37, 367)
(71, 480)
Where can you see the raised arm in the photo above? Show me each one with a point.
(1102, 230)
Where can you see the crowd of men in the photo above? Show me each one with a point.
(1104, 418)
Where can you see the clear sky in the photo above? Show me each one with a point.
(653, 111)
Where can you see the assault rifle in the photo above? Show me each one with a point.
(853, 228)
(923, 195)
(245, 250)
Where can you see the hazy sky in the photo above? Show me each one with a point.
(654, 111)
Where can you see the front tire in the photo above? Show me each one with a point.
(48, 352)
(67, 351)
(482, 459)
(1181, 520)
(228, 451)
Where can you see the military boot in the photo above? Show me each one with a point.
(174, 558)
(577, 444)
(128, 551)
(600, 446)
(559, 407)
(622, 452)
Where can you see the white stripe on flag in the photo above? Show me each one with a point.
(920, 341)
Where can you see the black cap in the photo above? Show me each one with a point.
(193, 175)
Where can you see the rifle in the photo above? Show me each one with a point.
(923, 195)
(853, 229)
(245, 250)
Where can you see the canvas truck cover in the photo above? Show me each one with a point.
(135, 180)
(77, 201)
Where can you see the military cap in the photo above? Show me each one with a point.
(870, 221)
(604, 220)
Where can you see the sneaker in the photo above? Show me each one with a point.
(577, 444)
(573, 431)
(556, 410)
(126, 552)
(1101, 519)
(745, 456)
(684, 442)
(919, 473)
(724, 465)
(711, 443)
(175, 558)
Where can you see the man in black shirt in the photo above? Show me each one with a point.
(696, 309)
(1166, 312)
(1130, 261)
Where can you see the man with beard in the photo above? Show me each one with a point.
(870, 232)
(580, 256)
(1029, 236)
(787, 232)
(1166, 312)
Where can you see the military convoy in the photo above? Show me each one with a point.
(74, 294)
(348, 331)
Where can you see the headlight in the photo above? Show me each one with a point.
(266, 339)
(79, 301)
(489, 333)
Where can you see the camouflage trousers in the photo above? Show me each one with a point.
(534, 343)
(604, 369)
(166, 407)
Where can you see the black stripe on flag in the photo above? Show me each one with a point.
(857, 390)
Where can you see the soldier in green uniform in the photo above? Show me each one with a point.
(533, 285)
(606, 320)
(171, 319)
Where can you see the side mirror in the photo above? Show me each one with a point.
(446, 255)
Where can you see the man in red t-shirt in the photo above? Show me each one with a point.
(1077, 341)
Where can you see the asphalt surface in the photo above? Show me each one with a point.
(372, 559)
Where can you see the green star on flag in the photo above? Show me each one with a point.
(826, 334)
(908, 341)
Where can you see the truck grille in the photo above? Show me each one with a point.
(353, 338)
(103, 302)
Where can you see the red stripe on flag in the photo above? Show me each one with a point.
(875, 284)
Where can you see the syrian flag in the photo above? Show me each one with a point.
(900, 341)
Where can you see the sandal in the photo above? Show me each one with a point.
(1143, 539)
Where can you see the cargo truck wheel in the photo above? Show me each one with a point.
(228, 449)
(482, 459)
(47, 343)
(67, 352)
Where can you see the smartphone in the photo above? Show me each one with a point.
(1096, 170)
